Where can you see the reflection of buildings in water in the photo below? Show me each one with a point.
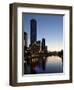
(37, 52)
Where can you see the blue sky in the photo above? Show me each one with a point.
(49, 27)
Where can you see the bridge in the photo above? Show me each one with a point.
(42, 56)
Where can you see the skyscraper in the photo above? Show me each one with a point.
(25, 39)
(43, 44)
(44, 47)
(33, 31)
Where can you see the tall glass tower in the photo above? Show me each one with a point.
(33, 31)
(43, 43)
(25, 39)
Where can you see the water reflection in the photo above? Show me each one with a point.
(51, 64)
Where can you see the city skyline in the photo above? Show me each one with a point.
(49, 27)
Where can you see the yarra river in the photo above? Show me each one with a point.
(52, 64)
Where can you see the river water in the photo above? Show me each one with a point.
(53, 64)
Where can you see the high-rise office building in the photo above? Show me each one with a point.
(43, 44)
(43, 41)
(44, 47)
(33, 31)
(25, 39)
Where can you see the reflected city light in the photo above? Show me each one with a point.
(41, 56)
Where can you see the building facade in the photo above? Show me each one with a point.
(33, 31)
(25, 39)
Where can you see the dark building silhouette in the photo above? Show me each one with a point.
(43, 41)
(35, 47)
(43, 44)
(25, 39)
(44, 47)
(38, 42)
(33, 31)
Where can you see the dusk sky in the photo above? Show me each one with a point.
(49, 27)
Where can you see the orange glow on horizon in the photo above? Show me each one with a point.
(55, 49)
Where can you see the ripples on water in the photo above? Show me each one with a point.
(53, 64)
